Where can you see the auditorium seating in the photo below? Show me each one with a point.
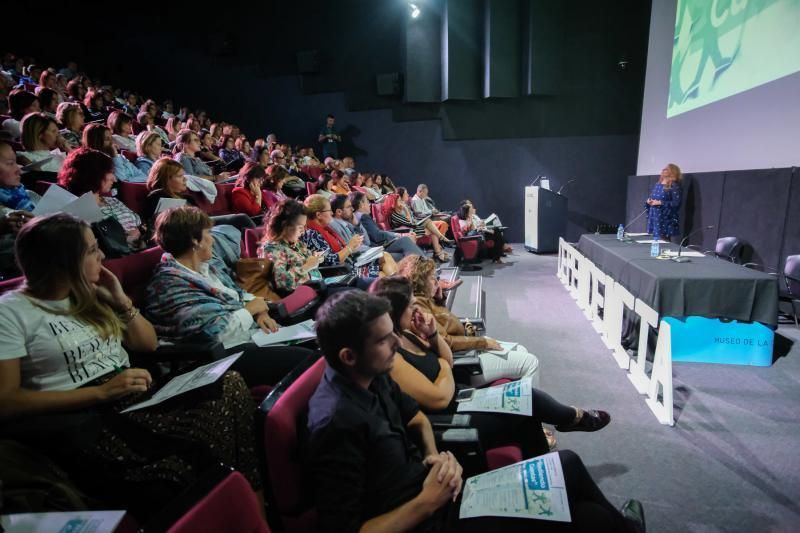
(468, 247)
(230, 506)
(290, 499)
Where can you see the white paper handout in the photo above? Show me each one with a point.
(71, 521)
(505, 347)
(54, 199)
(169, 203)
(533, 488)
(200, 376)
(493, 220)
(650, 241)
(369, 255)
(684, 253)
(636, 234)
(295, 333)
(513, 398)
(85, 208)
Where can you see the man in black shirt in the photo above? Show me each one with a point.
(368, 474)
(366, 470)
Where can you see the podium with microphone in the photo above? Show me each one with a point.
(545, 216)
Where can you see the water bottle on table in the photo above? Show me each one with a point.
(655, 247)
(620, 232)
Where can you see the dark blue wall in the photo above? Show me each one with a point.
(492, 172)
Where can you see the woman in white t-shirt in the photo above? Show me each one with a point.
(62, 358)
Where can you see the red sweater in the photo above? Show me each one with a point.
(243, 201)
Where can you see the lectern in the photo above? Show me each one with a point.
(545, 219)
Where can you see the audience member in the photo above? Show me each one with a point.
(193, 298)
(20, 103)
(98, 137)
(247, 196)
(396, 208)
(292, 262)
(71, 405)
(398, 244)
(70, 116)
(40, 140)
(16, 206)
(273, 185)
(186, 148)
(148, 150)
(514, 364)
(87, 170)
(340, 223)
(466, 219)
(121, 126)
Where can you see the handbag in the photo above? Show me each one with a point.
(111, 238)
(253, 276)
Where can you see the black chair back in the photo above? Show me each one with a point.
(729, 248)
(791, 275)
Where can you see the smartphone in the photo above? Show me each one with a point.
(465, 395)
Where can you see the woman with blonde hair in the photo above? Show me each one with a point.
(70, 116)
(663, 204)
(516, 363)
(65, 380)
(40, 139)
(148, 148)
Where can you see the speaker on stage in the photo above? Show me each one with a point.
(545, 219)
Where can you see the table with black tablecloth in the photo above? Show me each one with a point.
(705, 286)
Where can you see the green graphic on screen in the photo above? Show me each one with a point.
(725, 47)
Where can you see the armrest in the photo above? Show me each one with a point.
(468, 238)
(464, 367)
(333, 270)
(181, 352)
(465, 444)
(450, 421)
(762, 268)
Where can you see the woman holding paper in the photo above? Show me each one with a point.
(423, 369)
(193, 298)
(513, 364)
(466, 220)
(167, 180)
(399, 214)
(65, 376)
(87, 170)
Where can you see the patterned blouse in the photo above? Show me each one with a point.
(317, 243)
(72, 138)
(287, 263)
(114, 208)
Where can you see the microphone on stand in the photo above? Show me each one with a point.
(534, 182)
(680, 259)
(564, 186)
(628, 225)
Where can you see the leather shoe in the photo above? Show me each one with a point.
(591, 420)
(633, 512)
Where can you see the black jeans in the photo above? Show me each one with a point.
(496, 430)
(588, 507)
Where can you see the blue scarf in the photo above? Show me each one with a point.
(16, 198)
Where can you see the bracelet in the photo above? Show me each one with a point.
(432, 335)
(128, 315)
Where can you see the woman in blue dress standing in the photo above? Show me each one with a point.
(664, 203)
